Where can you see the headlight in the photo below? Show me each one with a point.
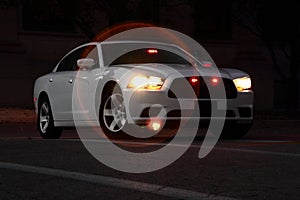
(146, 82)
(242, 84)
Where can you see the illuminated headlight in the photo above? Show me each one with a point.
(242, 84)
(146, 82)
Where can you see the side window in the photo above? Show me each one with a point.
(69, 63)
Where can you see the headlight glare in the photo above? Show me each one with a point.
(242, 84)
(146, 82)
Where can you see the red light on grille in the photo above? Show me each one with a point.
(194, 80)
(214, 81)
(152, 51)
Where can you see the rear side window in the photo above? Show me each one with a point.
(69, 63)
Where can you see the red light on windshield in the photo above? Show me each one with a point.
(207, 64)
(152, 51)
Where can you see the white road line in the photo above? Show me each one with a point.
(114, 182)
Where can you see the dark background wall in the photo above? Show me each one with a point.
(248, 35)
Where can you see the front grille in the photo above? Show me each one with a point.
(150, 112)
(205, 108)
(179, 88)
(230, 113)
(174, 113)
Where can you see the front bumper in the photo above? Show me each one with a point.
(143, 105)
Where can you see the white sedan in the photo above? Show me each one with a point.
(124, 83)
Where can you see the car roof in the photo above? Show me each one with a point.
(136, 42)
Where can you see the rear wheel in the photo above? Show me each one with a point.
(45, 122)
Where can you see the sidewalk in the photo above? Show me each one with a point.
(17, 115)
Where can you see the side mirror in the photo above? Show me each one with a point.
(85, 63)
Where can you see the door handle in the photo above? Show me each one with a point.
(51, 80)
(70, 81)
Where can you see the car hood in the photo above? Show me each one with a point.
(234, 73)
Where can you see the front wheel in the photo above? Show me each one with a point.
(112, 114)
(45, 122)
(113, 120)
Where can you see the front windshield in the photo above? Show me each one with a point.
(143, 53)
(146, 55)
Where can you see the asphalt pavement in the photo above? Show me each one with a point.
(262, 165)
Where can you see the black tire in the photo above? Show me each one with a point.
(45, 122)
(106, 122)
(234, 130)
